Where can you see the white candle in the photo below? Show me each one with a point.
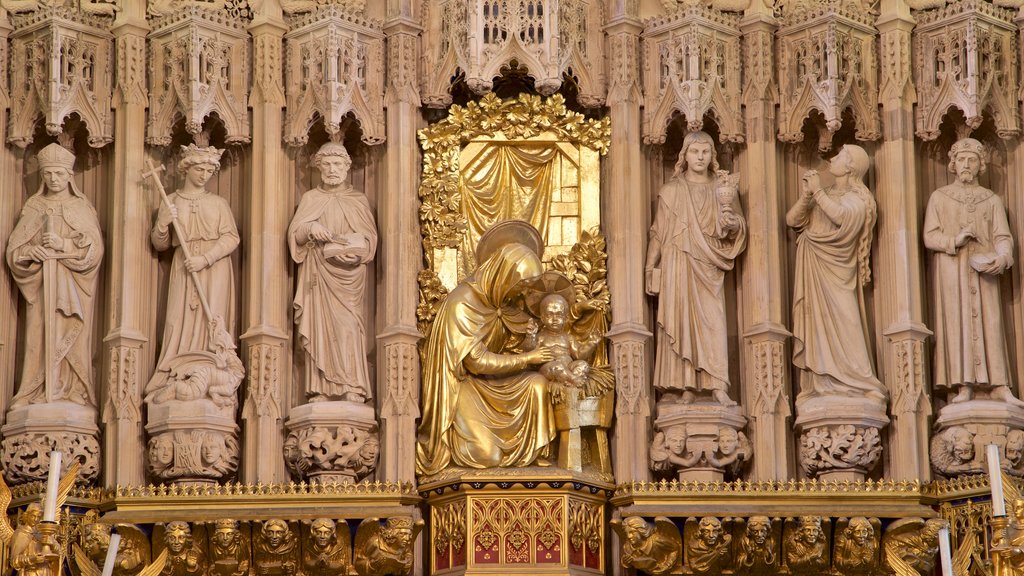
(111, 559)
(995, 480)
(50, 505)
(945, 555)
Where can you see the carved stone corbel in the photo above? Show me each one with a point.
(201, 55)
(827, 63)
(965, 58)
(334, 65)
(693, 60)
(61, 64)
(550, 39)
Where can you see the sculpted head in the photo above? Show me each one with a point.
(709, 530)
(809, 529)
(213, 449)
(758, 529)
(962, 443)
(860, 530)
(33, 512)
(95, 538)
(1014, 447)
(637, 530)
(675, 440)
(728, 440)
(275, 532)
(177, 536)
(322, 530)
(161, 452)
(199, 164)
(697, 155)
(554, 312)
(333, 161)
(226, 533)
(1018, 511)
(397, 532)
(851, 160)
(56, 167)
(967, 159)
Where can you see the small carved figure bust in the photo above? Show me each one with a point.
(326, 552)
(707, 551)
(277, 553)
(31, 553)
(952, 452)
(1014, 449)
(184, 557)
(857, 548)
(229, 555)
(757, 554)
(669, 451)
(654, 548)
(386, 548)
(807, 548)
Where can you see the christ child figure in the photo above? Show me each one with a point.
(569, 366)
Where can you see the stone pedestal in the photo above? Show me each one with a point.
(964, 430)
(33, 431)
(840, 436)
(191, 442)
(582, 424)
(331, 442)
(702, 441)
(528, 521)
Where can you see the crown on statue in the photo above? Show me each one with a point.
(967, 145)
(399, 523)
(55, 155)
(198, 155)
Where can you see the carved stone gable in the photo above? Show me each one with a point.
(198, 66)
(827, 62)
(965, 56)
(693, 62)
(334, 65)
(61, 65)
(547, 37)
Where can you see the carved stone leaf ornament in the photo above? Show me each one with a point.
(61, 64)
(692, 65)
(549, 38)
(334, 66)
(198, 66)
(827, 63)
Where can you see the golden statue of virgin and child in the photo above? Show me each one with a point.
(504, 354)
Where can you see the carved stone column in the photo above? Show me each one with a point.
(8, 181)
(766, 293)
(267, 354)
(900, 270)
(400, 254)
(626, 220)
(132, 269)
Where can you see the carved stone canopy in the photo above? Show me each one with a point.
(61, 64)
(334, 66)
(201, 56)
(965, 57)
(547, 37)
(692, 66)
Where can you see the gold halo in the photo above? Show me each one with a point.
(508, 232)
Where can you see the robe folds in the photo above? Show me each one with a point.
(329, 294)
(209, 228)
(76, 273)
(481, 408)
(692, 342)
(970, 344)
(830, 342)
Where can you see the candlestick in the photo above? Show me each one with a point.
(52, 480)
(111, 559)
(945, 555)
(995, 480)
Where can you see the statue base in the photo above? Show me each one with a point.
(331, 442)
(522, 521)
(702, 423)
(191, 442)
(33, 431)
(840, 436)
(964, 429)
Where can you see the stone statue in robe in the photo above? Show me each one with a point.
(187, 369)
(830, 331)
(331, 237)
(965, 227)
(54, 254)
(697, 233)
(484, 406)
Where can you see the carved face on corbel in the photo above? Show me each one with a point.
(275, 531)
(637, 530)
(963, 445)
(675, 440)
(758, 529)
(728, 440)
(178, 537)
(810, 529)
(860, 530)
(709, 530)
(1014, 447)
(322, 530)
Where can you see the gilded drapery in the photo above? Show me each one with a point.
(506, 181)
